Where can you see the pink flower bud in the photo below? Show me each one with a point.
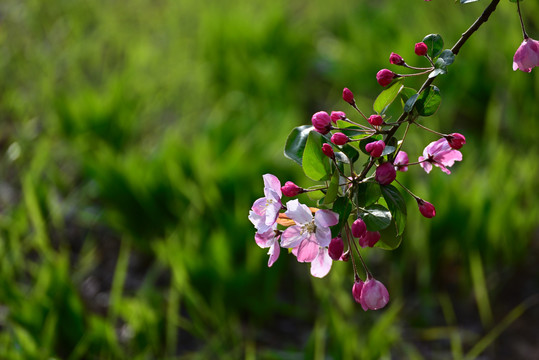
(356, 290)
(359, 228)
(527, 55)
(385, 77)
(290, 189)
(321, 122)
(421, 49)
(335, 248)
(328, 151)
(348, 96)
(345, 256)
(374, 295)
(339, 139)
(456, 140)
(337, 115)
(375, 120)
(370, 238)
(396, 59)
(426, 208)
(375, 148)
(401, 161)
(385, 173)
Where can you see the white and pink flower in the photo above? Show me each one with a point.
(264, 212)
(439, 153)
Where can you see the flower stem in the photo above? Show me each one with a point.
(521, 22)
(426, 128)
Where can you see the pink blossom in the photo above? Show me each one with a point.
(385, 174)
(321, 122)
(426, 208)
(527, 55)
(396, 59)
(264, 212)
(375, 120)
(339, 138)
(336, 248)
(270, 239)
(321, 264)
(290, 189)
(401, 161)
(356, 290)
(359, 228)
(456, 140)
(421, 49)
(374, 295)
(385, 77)
(370, 238)
(310, 233)
(375, 148)
(439, 153)
(337, 115)
(328, 151)
(348, 96)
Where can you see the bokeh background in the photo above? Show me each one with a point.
(133, 139)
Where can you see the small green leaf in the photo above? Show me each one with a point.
(333, 189)
(350, 152)
(367, 193)
(315, 164)
(397, 206)
(388, 150)
(410, 103)
(343, 207)
(376, 217)
(428, 102)
(435, 43)
(295, 143)
(447, 56)
(387, 96)
(389, 242)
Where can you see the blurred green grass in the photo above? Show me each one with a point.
(134, 137)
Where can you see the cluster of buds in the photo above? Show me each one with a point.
(355, 205)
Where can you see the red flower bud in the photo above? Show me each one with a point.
(335, 248)
(290, 189)
(375, 148)
(359, 228)
(385, 77)
(370, 238)
(339, 139)
(385, 173)
(396, 59)
(356, 290)
(426, 208)
(375, 120)
(328, 151)
(348, 96)
(374, 295)
(456, 140)
(421, 49)
(337, 115)
(321, 122)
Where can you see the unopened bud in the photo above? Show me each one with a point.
(328, 151)
(356, 290)
(385, 174)
(337, 115)
(426, 208)
(335, 248)
(456, 140)
(375, 148)
(348, 96)
(321, 122)
(396, 59)
(375, 120)
(374, 295)
(370, 238)
(339, 139)
(290, 189)
(385, 77)
(421, 49)
(359, 228)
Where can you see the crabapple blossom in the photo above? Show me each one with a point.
(356, 290)
(396, 59)
(375, 148)
(439, 153)
(401, 161)
(321, 122)
(339, 138)
(370, 238)
(321, 264)
(336, 248)
(310, 232)
(328, 150)
(456, 140)
(348, 96)
(374, 295)
(337, 115)
(385, 174)
(375, 120)
(290, 189)
(426, 208)
(385, 77)
(421, 49)
(359, 228)
(527, 55)
(265, 211)
(270, 239)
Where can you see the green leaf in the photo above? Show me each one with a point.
(367, 193)
(389, 242)
(376, 217)
(388, 150)
(315, 164)
(343, 207)
(435, 43)
(350, 152)
(333, 189)
(440, 68)
(410, 103)
(447, 56)
(387, 96)
(397, 206)
(428, 102)
(295, 143)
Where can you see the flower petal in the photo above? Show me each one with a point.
(321, 264)
(271, 182)
(300, 213)
(326, 218)
(323, 235)
(292, 237)
(274, 252)
(307, 250)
